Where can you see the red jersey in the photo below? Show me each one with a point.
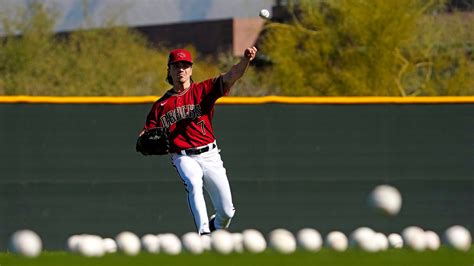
(188, 114)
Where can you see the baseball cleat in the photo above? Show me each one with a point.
(212, 226)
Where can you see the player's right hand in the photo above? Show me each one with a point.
(250, 53)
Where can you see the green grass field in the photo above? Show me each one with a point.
(324, 257)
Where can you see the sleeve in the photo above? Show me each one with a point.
(152, 119)
(213, 88)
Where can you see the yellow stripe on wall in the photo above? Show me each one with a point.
(345, 100)
(242, 100)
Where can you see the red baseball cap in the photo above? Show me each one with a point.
(180, 55)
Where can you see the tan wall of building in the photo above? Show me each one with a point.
(209, 37)
(246, 33)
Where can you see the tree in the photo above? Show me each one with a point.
(361, 47)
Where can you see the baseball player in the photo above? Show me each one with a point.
(186, 112)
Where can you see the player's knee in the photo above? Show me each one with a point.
(223, 218)
(194, 184)
(228, 213)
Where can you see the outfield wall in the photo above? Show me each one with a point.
(72, 168)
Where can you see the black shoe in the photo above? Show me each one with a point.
(212, 227)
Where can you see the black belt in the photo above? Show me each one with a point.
(196, 151)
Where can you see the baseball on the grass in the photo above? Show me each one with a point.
(395, 240)
(414, 238)
(110, 246)
(150, 243)
(264, 13)
(458, 237)
(222, 241)
(337, 241)
(309, 239)
(363, 238)
(253, 241)
(206, 242)
(128, 243)
(170, 244)
(91, 246)
(192, 243)
(382, 241)
(282, 241)
(238, 239)
(432, 240)
(26, 243)
(73, 242)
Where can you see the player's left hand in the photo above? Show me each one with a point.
(250, 53)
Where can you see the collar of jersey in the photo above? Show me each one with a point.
(170, 93)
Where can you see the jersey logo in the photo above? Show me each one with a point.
(163, 103)
(180, 113)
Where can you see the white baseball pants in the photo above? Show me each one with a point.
(206, 170)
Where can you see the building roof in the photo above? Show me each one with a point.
(135, 13)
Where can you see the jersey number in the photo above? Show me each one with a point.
(203, 130)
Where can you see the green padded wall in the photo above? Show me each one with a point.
(68, 169)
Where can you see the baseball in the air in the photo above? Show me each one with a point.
(264, 13)
(386, 199)
(26, 243)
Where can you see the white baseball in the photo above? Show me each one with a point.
(26, 243)
(382, 241)
(458, 237)
(150, 243)
(414, 238)
(365, 239)
(238, 239)
(170, 244)
(128, 243)
(254, 241)
(264, 13)
(337, 241)
(395, 240)
(309, 239)
(91, 246)
(206, 242)
(192, 243)
(432, 240)
(386, 199)
(222, 241)
(73, 242)
(110, 246)
(282, 241)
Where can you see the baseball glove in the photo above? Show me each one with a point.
(154, 141)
